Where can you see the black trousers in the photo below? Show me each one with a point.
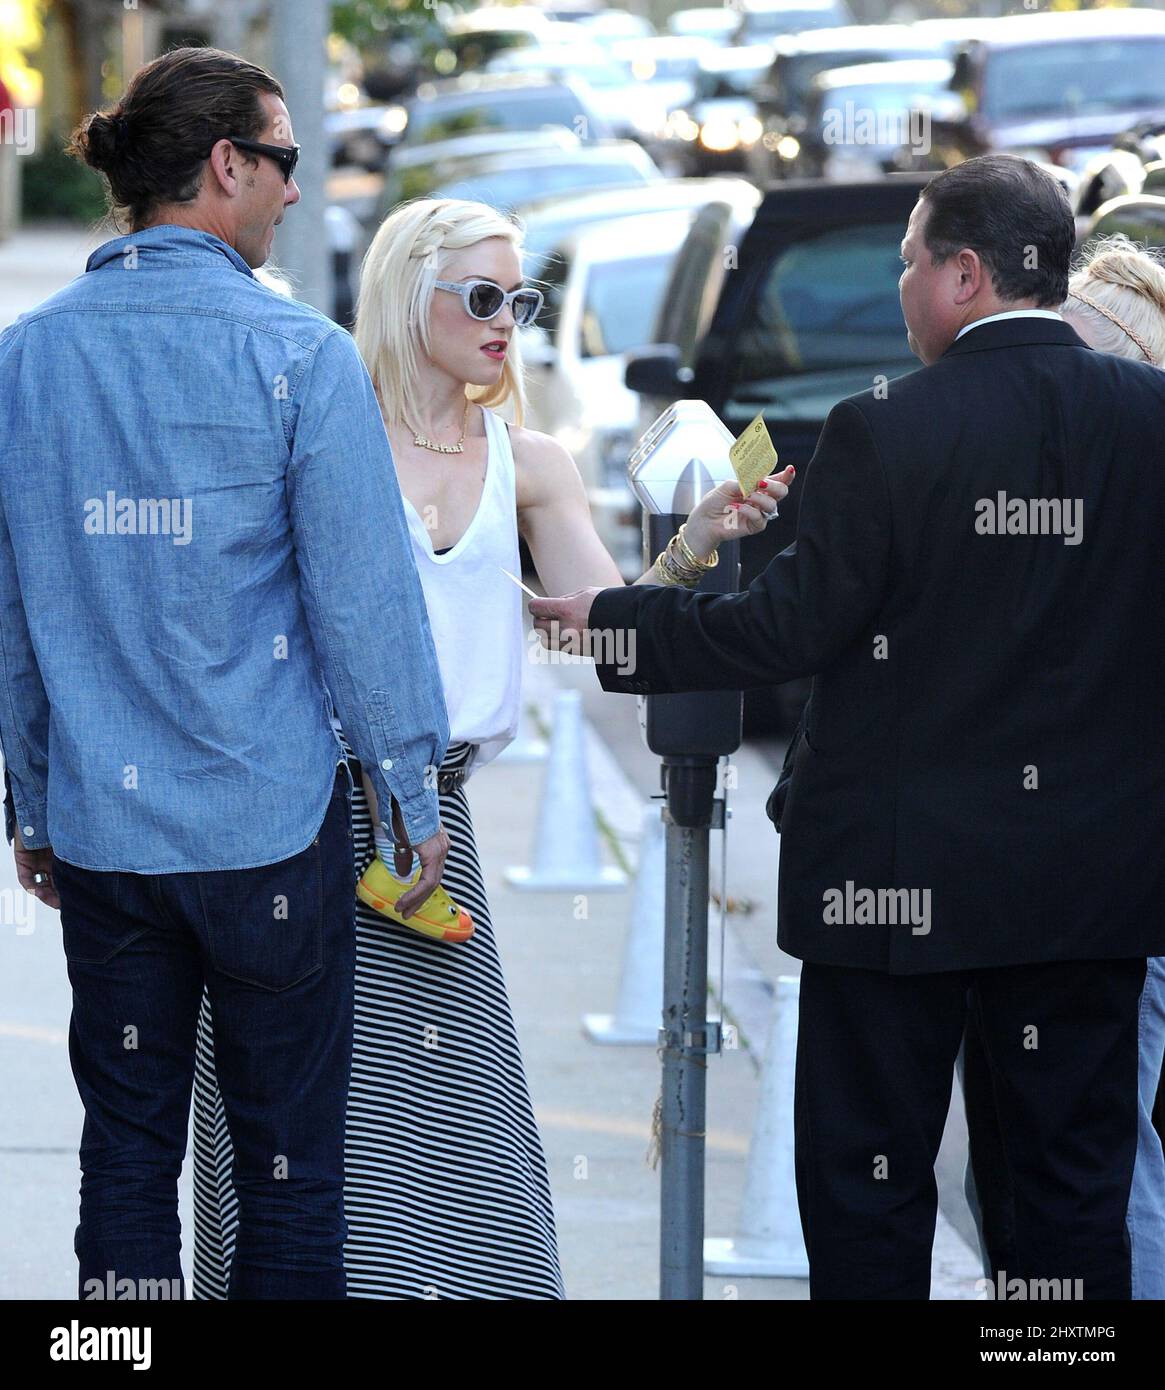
(875, 1060)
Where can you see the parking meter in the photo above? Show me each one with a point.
(682, 456)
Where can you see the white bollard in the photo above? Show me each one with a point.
(768, 1243)
(639, 1008)
(528, 745)
(566, 842)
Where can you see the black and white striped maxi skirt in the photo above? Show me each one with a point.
(446, 1192)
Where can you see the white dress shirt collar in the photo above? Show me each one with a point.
(1011, 314)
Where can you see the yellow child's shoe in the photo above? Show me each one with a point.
(438, 916)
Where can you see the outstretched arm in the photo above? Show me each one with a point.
(811, 602)
(554, 517)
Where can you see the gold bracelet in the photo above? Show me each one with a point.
(682, 559)
(669, 575)
(692, 558)
(677, 567)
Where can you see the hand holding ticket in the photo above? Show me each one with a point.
(753, 456)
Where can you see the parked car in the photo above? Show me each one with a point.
(764, 20)
(354, 136)
(666, 66)
(1057, 86)
(1113, 174)
(611, 26)
(784, 95)
(805, 314)
(473, 38)
(492, 101)
(1141, 219)
(860, 118)
(630, 108)
(549, 220)
(603, 285)
(571, 13)
(603, 440)
(716, 22)
(506, 180)
(714, 131)
(417, 171)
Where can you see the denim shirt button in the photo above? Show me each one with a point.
(28, 830)
(386, 763)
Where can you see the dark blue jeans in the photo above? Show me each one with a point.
(275, 947)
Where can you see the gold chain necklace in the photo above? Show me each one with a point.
(458, 448)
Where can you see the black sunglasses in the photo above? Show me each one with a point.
(286, 156)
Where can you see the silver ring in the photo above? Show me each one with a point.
(40, 878)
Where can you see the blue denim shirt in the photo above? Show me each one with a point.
(202, 547)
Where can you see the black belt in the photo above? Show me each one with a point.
(447, 781)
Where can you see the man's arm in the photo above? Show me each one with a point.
(24, 712)
(808, 605)
(363, 597)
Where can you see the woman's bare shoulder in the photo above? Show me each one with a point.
(541, 463)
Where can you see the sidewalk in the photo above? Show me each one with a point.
(38, 261)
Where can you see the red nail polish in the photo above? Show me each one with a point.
(764, 482)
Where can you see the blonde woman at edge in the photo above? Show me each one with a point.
(447, 1192)
(1116, 303)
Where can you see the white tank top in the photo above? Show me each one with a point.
(475, 612)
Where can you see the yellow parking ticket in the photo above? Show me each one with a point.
(753, 456)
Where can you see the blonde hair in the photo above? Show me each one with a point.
(410, 250)
(1119, 291)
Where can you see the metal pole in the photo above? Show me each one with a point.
(685, 1036)
(299, 30)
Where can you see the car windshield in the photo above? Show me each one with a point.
(442, 120)
(596, 72)
(825, 323)
(795, 73)
(654, 68)
(881, 97)
(505, 188)
(621, 302)
(776, 23)
(1077, 78)
(736, 82)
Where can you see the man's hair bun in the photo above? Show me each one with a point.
(98, 141)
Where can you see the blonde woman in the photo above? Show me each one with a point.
(446, 1191)
(1116, 303)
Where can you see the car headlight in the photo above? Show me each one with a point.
(393, 122)
(681, 125)
(719, 135)
(750, 130)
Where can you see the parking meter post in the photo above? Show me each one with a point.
(679, 458)
(690, 785)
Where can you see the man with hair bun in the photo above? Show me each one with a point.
(183, 600)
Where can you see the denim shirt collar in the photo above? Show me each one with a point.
(168, 242)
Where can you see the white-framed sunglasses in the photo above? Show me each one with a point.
(484, 300)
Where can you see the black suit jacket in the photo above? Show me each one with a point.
(987, 722)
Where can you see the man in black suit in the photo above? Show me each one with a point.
(976, 816)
